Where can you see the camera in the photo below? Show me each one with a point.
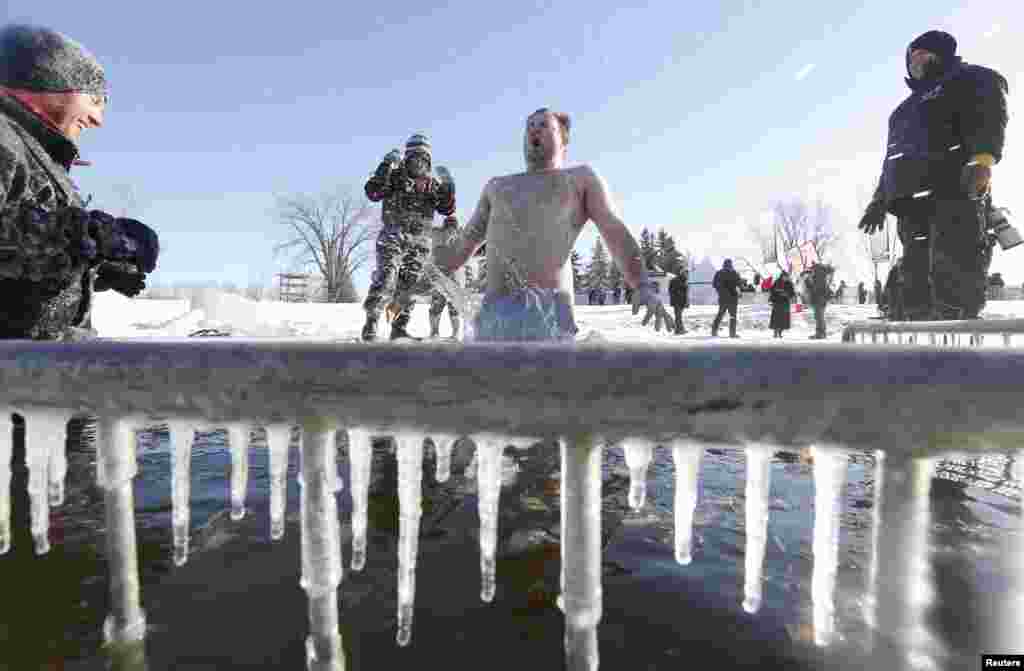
(999, 226)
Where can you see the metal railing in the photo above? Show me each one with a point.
(905, 405)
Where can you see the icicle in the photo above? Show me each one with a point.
(900, 587)
(116, 465)
(45, 438)
(829, 485)
(279, 438)
(321, 548)
(581, 542)
(6, 446)
(759, 478)
(488, 482)
(410, 481)
(443, 449)
(182, 435)
(360, 458)
(638, 455)
(238, 442)
(560, 601)
(686, 457)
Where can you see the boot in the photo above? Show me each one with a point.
(435, 325)
(370, 328)
(398, 327)
(456, 324)
(732, 329)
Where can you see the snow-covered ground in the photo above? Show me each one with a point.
(115, 316)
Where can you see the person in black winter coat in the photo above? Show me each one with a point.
(781, 295)
(727, 283)
(943, 141)
(862, 294)
(679, 295)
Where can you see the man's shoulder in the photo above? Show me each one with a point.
(979, 74)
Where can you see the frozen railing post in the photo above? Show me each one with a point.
(900, 584)
(116, 466)
(321, 544)
(581, 544)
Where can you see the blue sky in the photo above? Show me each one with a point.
(698, 117)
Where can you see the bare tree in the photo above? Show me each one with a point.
(794, 223)
(329, 233)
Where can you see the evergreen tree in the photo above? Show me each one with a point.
(577, 278)
(669, 258)
(597, 271)
(615, 279)
(647, 249)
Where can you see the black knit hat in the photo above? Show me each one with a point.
(939, 43)
(418, 143)
(39, 59)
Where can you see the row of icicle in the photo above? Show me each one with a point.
(47, 468)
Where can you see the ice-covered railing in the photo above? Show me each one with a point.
(970, 332)
(905, 405)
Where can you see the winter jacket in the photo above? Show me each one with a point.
(727, 283)
(944, 122)
(44, 290)
(781, 295)
(679, 292)
(409, 201)
(818, 288)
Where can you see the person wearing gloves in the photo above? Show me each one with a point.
(530, 222)
(727, 283)
(411, 196)
(944, 140)
(53, 252)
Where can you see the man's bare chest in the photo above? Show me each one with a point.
(547, 198)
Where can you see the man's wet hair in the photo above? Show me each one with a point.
(564, 122)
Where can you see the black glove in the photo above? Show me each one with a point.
(124, 282)
(874, 217)
(125, 240)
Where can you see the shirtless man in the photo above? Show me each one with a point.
(530, 222)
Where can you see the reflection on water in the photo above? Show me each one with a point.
(860, 558)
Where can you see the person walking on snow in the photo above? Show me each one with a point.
(679, 297)
(781, 295)
(727, 283)
(820, 292)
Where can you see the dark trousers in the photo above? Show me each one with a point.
(945, 259)
(723, 307)
(678, 309)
